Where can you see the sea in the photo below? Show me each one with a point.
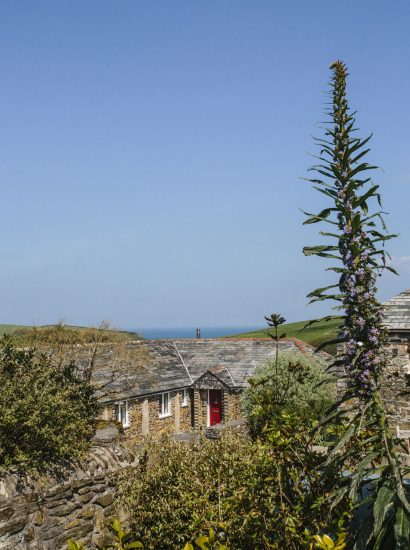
(190, 332)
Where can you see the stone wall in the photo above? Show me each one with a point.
(395, 385)
(145, 419)
(144, 416)
(232, 406)
(43, 514)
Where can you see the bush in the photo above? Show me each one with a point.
(297, 385)
(46, 410)
(262, 494)
(180, 490)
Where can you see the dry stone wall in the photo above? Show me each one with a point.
(42, 514)
(396, 385)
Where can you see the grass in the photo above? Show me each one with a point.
(24, 334)
(314, 335)
(9, 329)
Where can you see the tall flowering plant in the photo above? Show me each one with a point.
(365, 454)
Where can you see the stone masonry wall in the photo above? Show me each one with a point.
(145, 420)
(232, 406)
(395, 385)
(43, 515)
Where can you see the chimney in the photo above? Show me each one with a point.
(198, 333)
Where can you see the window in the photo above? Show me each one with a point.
(184, 402)
(164, 405)
(121, 413)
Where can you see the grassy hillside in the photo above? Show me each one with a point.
(64, 334)
(314, 335)
(9, 329)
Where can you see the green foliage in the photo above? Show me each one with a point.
(261, 494)
(282, 502)
(369, 470)
(122, 540)
(46, 411)
(297, 384)
(327, 543)
(126, 541)
(58, 335)
(180, 490)
(207, 542)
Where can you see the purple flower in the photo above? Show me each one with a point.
(361, 322)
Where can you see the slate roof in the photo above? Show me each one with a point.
(173, 364)
(234, 358)
(160, 369)
(397, 312)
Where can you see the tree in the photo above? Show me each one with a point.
(294, 384)
(46, 409)
(365, 455)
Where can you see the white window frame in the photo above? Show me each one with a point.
(165, 411)
(184, 402)
(122, 406)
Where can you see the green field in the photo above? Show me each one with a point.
(9, 329)
(23, 332)
(315, 334)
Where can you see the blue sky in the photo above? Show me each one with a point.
(151, 153)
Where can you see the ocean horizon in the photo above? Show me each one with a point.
(157, 333)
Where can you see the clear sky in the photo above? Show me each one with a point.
(150, 153)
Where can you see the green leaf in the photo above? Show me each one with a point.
(359, 156)
(314, 218)
(361, 168)
(321, 250)
(358, 144)
(382, 505)
(319, 291)
(402, 530)
(202, 542)
(370, 193)
(116, 525)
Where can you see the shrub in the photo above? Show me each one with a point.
(296, 384)
(180, 490)
(46, 410)
(261, 494)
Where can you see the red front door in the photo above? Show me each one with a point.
(215, 407)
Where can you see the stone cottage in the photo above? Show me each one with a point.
(174, 386)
